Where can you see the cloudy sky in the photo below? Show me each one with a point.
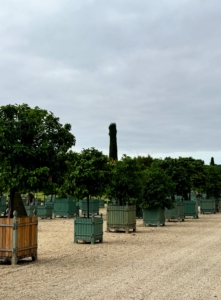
(152, 67)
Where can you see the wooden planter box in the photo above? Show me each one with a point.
(176, 213)
(30, 210)
(208, 206)
(190, 208)
(153, 216)
(88, 229)
(18, 238)
(121, 217)
(93, 206)
(45, 211)
(65, 207)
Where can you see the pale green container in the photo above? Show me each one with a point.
(190, 208)
(30, 210)
(3, 205)
(88, 229)
(94, 205)
(153, 216)
(176, 213)
(208, 206)
(121, 217)
(45, 211)
(65, 207)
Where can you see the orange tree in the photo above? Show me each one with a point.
(33, 147)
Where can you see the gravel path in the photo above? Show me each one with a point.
(178, 261)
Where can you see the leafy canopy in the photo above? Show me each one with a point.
(33, 145)
(89, 173)
(125, 183)
(157, 188)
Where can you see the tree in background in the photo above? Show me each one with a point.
(144, 161)
(126, 180)
(157, 188)
(212, 162)
(90, 174)
(212, 186)
(186, 172)
(113, 141)
(33, 146)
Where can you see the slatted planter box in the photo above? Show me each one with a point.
(94, 205)
(139, 213)
(3, 205)
(176, 213)
(101, 203)
(154, 216)
(208, 206)
(217, 201)
(65, 207)
(45, 211)
(30, 210)
(18, 238)
(190, 208)
(121, 217)
(88, 229)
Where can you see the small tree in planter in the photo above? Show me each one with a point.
(125, 184)
(157, 190)
(33, 145)
(89, 177)
(212, 189)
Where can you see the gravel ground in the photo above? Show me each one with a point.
(178, 261)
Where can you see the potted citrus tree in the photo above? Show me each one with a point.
(124, 185)
(157, 190)
(33, 145)
(89, 178)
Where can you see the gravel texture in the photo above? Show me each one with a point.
(179, 261)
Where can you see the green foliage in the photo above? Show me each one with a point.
(33, 145)
(113, 141)
(212, 162)
(126, 181)
(213, 181)
(157, 188)
(186, 173)
(90, 172)
(144, 161)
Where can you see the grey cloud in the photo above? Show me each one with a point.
(153, 67)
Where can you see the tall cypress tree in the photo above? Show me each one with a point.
(212, 162)
(113, 141)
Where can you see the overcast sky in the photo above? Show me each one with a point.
(152, 67)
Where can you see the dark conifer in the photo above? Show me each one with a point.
(212, 162)
(113, 141)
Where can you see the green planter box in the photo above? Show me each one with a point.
(139, 213)
(153, 216)
(88, 229)
(208, 206)
(3, 205)
(45, 211)
(101, 203)
(65, 207)
(176, 213)
(30, 210)
(217, 201)
(79, 203)
(93, 206)
(121, 217)
(190, 208)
